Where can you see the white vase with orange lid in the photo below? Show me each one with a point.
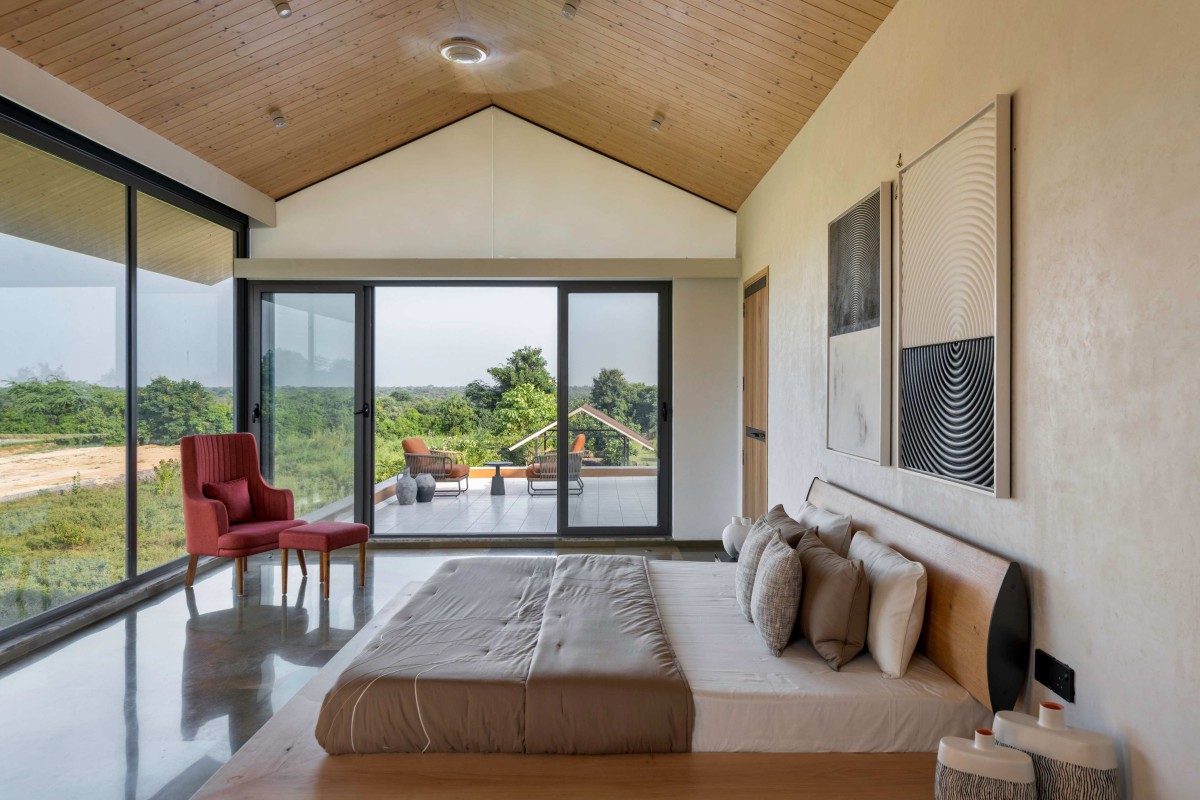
(1070, 763)
(978, 769)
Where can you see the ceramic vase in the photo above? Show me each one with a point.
(734, 535)
(406, 488)
(979, 770)
(1070, 764)
(426, 486)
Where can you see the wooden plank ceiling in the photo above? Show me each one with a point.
(735, 80)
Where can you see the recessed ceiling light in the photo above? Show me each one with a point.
(569, 8)
(656, 122)
(277, 118)
(282, 8)
(463, 51)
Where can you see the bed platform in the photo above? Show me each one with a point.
(976, 633)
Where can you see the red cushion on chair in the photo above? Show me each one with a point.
(323, 536)
(235, 494)
(458, 471)
(254, 534)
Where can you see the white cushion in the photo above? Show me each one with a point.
(833, 529)
(897, 608)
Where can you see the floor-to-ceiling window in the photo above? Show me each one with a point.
(62, 381)
(185, 369)
(112, 301)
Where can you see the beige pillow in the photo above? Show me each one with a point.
(776, 597)
(834, 529)
(747, 563)
(833, 605)
(792, 531)
(897, 603)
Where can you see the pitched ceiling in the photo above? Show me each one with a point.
(734, 80)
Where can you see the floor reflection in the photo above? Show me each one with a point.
(151, 702)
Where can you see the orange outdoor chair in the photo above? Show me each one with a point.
(446, 466)
(544, 469)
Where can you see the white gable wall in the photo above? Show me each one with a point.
(495, 186)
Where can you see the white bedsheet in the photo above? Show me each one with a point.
(748, 700)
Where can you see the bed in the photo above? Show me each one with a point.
(973, 653)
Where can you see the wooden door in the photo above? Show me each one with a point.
(754, 395)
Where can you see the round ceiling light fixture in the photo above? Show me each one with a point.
(460, 50)
(282, 8)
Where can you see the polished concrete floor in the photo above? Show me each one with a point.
(605, 502)
(150, 702)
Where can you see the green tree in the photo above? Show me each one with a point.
(522, 410)
(169, 410)
(613, 394)
(453, 415)
(525, 367)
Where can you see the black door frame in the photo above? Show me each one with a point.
(364, 504)
(665, 403)
(364, 388)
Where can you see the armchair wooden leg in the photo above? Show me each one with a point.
(325, 573)
(240, 568)
(362, 563)
(283, 563)
(190, 577)
(303, 566)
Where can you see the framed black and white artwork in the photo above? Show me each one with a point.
(955, 305)
(858, 389)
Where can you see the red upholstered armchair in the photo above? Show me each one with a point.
(215, 460)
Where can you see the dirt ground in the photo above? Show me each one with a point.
(22, 474)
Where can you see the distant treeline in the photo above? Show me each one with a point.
(167, 409)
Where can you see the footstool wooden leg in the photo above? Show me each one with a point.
(325, 569)
(362, 563)
(303, 566)
(241, 574)
(283, 563)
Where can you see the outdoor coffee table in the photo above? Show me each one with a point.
(497, 479)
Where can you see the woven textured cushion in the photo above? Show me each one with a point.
(897, 607)
(235, 495)
(834, 529)
(747, 563)
(792, 530)
(834, 603)
(323, 536)
(776, 598)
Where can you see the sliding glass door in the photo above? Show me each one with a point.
(310, 407)
(616, 363)
(538, 409)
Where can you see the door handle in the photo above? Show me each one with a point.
(256, 414)
(365, 411)
(755, 433)
(664, 410)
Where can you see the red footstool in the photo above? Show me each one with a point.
(324, 537)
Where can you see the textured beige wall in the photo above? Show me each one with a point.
(1106, 331)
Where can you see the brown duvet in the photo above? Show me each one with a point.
(517, 655)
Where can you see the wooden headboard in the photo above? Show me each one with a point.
(977, 607)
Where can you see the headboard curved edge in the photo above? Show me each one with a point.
(977, 605)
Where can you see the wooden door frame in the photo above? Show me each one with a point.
(750, 287)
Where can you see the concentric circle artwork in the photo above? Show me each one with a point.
(953, 281)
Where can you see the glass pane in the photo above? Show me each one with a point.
(62, 382)
(307, 401)
(184, 359)
(470, 372)
(612, 366)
